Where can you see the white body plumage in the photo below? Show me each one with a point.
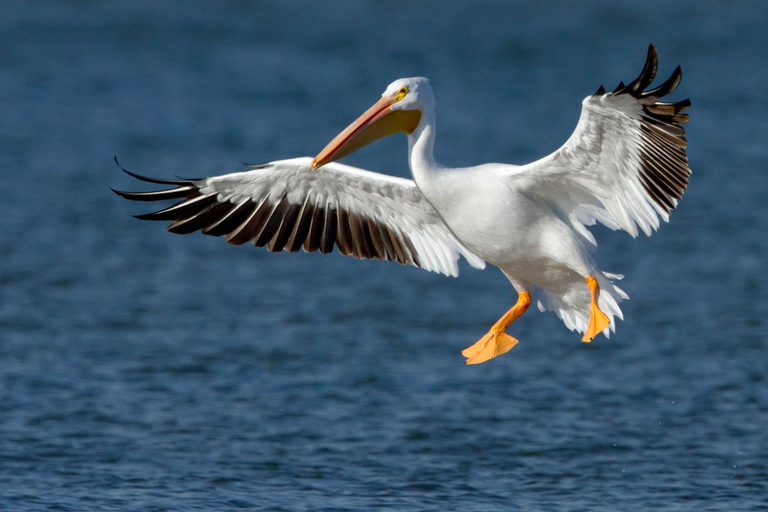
(624, 166)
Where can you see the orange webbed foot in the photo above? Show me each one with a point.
(598, 321)
(493, 344)
(497, 341)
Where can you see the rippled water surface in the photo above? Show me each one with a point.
(145, 371)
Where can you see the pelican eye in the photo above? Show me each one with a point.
(400, 94)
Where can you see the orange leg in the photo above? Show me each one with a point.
(498, 342)
(598, 321)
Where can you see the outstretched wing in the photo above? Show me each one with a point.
(287, 205)
(625, 164)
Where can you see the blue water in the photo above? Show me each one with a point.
(141, 370)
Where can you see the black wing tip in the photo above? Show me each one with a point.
(148, 179)
(678, 72)
(647, 74)
(121, 193)
(637, 88)
(153, 180)
(638, 85)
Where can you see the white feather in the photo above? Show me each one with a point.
(395, 202)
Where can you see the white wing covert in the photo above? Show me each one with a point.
(625, 164)
(287, 205)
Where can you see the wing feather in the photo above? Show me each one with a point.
(625, 165)
(285, 205)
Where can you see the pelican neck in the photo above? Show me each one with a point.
(421, 147)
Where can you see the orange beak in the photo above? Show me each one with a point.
(377, 122)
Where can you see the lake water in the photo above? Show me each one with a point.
(141, 370)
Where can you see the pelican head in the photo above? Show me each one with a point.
(399, 110)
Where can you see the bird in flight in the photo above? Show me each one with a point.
(624, 166)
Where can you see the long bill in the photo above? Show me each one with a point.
(377, 122)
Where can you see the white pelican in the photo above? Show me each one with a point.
(625, 166)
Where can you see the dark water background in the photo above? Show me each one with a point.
(145, 371)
